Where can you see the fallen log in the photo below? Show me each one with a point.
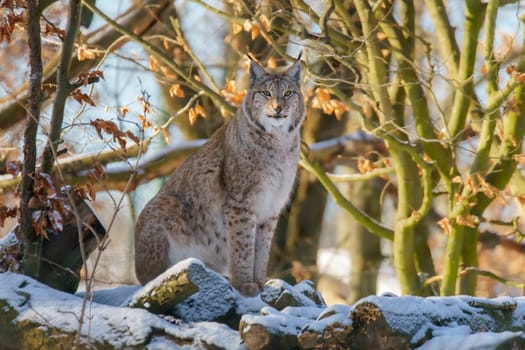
(197, 305)
(189, 291)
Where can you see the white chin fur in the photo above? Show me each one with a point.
(277, 122)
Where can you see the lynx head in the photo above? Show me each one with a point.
(274, 101)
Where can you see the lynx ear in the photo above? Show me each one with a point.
(256, 71)
(294, 72)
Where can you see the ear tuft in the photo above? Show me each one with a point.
(294, 72)
(256, 70)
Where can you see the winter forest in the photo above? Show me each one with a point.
(405, 224)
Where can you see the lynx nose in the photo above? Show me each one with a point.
(278, 109)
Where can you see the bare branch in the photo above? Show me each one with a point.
(138, 19)
(63, 86)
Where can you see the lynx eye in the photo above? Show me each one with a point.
(266, 93)
(288, 93)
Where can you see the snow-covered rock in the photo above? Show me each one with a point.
(34, 316)
(190, 306)
(190, 291)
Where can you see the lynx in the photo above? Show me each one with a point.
(222, 204)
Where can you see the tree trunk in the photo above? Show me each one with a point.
(32, 242)
(364, 247)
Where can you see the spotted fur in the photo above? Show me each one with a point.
(221, 205)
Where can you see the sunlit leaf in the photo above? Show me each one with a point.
(144, 121)
(445, 226)
(176, 91)
(124, 110)
(265, 22)
(84, 53)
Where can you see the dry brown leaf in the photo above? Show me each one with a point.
(339, 108)
(51, 29)
(232, 95)
(272, 63)
(466, 220)
(96, 173)
(153, 63)
(365, 165)
(200, 110)
(81, 97)
(124, 110)
(323, 95)
(445, 226)
(255, 31)
(236, 28)
(144, 121)
(168, 73)
(484, 70)
(6, 212)
(247, 25)
(40, 223)
(265, 22)
(132, 137)
(84, 53)
(176, 91)
(192, 115)
(380, 36)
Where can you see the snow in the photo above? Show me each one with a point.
(249, 305)
(334, 314)
(429, 310)
(278, 322)
(209, 332)
(400, 314)
(432, 323)
(130, 327)
(454, 339)
(274, 287)
(200, 306)
(118, 296)
(62, 310)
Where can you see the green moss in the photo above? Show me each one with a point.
(8, 334)
(37, 336)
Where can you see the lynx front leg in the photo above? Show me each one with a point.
(263, 244)
(240, 224)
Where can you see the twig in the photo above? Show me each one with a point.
(181, 40)
(360, 177)
(160, 55)
(63, 86)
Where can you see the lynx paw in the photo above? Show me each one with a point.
(248, 289)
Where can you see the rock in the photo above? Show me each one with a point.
(409, 322)
(279, 294)
(34, 316)
(189, 291)
(198, 305)
(274, 329)
(331, 330)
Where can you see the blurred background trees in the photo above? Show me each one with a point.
(414, 111)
